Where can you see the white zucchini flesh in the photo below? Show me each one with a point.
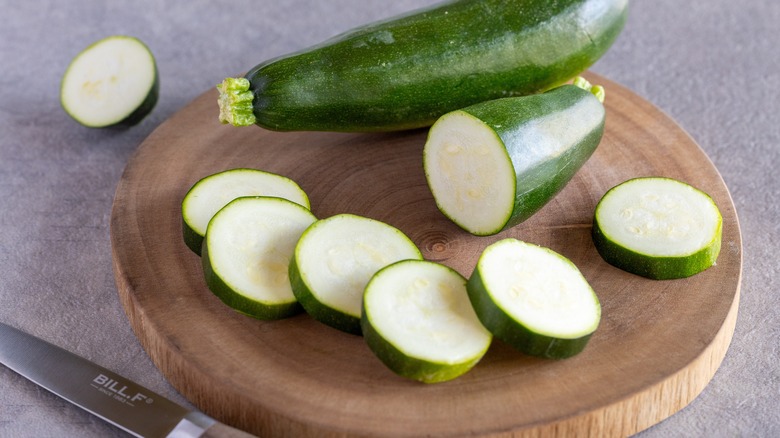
(470, 173)
(659, 216)
(109, 81)
(420, 322)
(211, 193)
(539, 289)
(657, 227)
(248, 247)
(336, 257)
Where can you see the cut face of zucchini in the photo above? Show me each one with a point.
(418, 321)
(246, 252)
(658, 228)
(533, 299)
(213, 192)
(112, 82)
(334, 260)
(470, 173)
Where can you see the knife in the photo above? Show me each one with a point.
(102, 392)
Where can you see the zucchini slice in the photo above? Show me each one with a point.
(659, 228)
(418, 321)
(213, 192)
(246, 252)
(334, 260)
(112, 82)
(534, 299)
(493, 165)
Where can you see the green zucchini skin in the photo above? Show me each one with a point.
(514, 334)
(402, 363)
(143, 109)
(329, 316)
(405, 72)
(656, 268)
(242, 305)
(418, 369)
(146, 106)
(548, 137)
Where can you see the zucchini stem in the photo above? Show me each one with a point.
(235, 102)
(597, 90)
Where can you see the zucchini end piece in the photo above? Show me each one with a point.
(235, 102)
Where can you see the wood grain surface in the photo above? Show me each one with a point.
(658, 345)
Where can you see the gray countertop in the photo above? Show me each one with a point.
(712, 65)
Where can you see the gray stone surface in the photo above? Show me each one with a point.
(712, 65)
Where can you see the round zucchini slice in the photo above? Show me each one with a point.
(246, 252)
(659, 228)
(418, 321)
(534, 299)
(213, 192)
(112, 82)
(334, 260)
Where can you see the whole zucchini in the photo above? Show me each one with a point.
(407, 71)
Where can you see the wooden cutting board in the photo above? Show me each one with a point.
(658, 345)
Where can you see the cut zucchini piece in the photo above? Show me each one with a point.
(534, 299)
(493, 165)
(112, 82)
(213, 192)
(418, 321)
(659, 228)
(334, 260)
(246, 252)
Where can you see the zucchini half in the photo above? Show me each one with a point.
(493, 165)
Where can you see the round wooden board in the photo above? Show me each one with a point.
(658, 345)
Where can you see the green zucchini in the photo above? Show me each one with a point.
(493, 165)
(534, 299)
(113, 82)
(417, 319)
(407, 71)
(246, 252)
(334, 260)
(659, 228)
(211, 193)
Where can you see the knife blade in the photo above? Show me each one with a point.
(102, 392)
